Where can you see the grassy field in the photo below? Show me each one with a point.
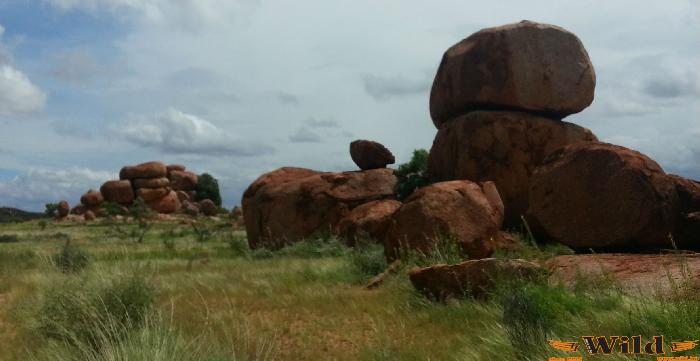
(200, 294)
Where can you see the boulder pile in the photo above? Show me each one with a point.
(498, 99)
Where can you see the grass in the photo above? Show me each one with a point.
(174, 297)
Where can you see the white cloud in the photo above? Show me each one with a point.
(385, 88)
(18, 95)
(305, 135)
(36, 187)
(178, 132)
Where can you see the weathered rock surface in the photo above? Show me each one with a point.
(170, 203)
(183, 196)
(368, 221)
(171, 167)
(89, 215)
(290, 204)
(504, 147)
(152, 194)
(79, 209)
(190, 208)
(370, 155)
(598, 195)
(144, 170)
(92, 198)
(647, 273)
(183, 180)
(208, 207)
(151, 182)
(63, 209)
(471, 213)
(524, 66)
(473, 278)
(118, 191)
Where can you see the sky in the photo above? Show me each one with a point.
(237, 88)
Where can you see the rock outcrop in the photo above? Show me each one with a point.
(501, 146)
(473, 278)
(599, 195)
(527, 66)
(470, 213)
(290, 204)
(370, 155)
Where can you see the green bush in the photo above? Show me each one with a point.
(412, 175)
(238, 243)
(208, 188)
(71, 259)
(81, 313)
(367, 259)
(51, 209)
(323, 244)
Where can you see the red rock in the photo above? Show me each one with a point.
(183, 180)
(598, 195)
(89, 215)
(368, 221)
(79, 209)
(190, 208)
(151, 194)
(471, 213)
(172, 167)
(170, 203)
(183, 196)
(290, 204)
(504, 147)
(208, 207)
(63, 209)
(370, 155)
(151, 182)
(144, 170)
(473, 278)
(118, 191)
(526, 66)
(92, 198)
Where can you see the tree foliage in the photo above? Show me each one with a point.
(412, 175)
(208, 188)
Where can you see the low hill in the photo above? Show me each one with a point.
(8, 214)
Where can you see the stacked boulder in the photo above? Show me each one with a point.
(498, 99)
(150, 183)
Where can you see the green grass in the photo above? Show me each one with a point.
(178, 296)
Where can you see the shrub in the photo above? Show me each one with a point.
(80, 313)
(322, 244)
(51, 209)
(208, 188)
(367, 259)
(42, 224)
(71, 259)
(412, 175)
(9, 238)
(238, 243)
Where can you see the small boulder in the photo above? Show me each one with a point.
(151, 194)
(538, 68)
(144, 170)
(63, 209)
(190, 208)
(208, 207)
(237, 212)
(183, 196)
(367, 221)
(474, 278)
(598, 195)
(118, 191)
(370, 155)
(92, 198)
(151, 182)
(89, 215)
(471, 213)
(170, 203)
(504, 147)
(183, 180)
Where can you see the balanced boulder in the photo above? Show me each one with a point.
(598, 195)
(504, 147)
(118, 191)
(526, 66)
(290, 204)
(368, 221)
(370, 155)
(468, 213)
(472, 278)
(144, 170)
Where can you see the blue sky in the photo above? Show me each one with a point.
(240, 87)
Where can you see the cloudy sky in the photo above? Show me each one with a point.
(240, 87)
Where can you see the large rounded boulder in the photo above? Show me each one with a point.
(144, 170)
(501, 146)
(368, 154)
(291, 204)
(367, 222)
(524, 66)
(466, 212)
(92, 198)
(183, 180)
(170, 203)
(598, 195)
(118, 191)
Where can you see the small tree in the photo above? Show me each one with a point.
(208, 188)
(51, 210)
(412, 175)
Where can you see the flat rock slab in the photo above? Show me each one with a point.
(632, 272)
